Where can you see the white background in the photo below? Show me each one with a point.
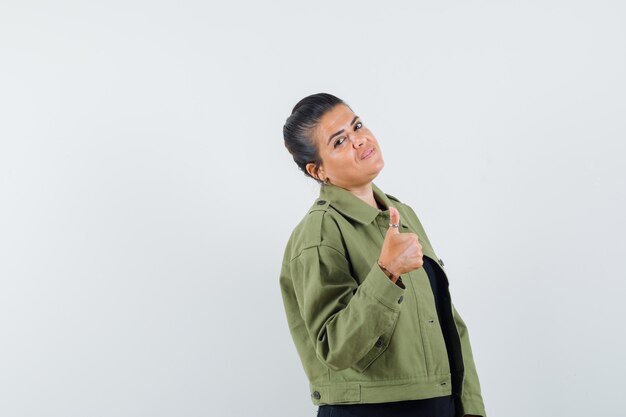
(146, 195)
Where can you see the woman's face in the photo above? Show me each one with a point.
(350, 153)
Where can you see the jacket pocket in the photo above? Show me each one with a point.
(379, 347)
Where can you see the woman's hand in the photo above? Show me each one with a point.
(401, 252)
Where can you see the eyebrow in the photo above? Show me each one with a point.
(341, 131)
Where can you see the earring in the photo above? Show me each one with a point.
(326, 181)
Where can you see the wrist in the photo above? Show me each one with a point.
(391, 275)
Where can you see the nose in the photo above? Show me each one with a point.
(356, 140)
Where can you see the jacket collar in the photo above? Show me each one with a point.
(352, 206)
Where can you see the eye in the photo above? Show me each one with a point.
(358, 125)
(339, 141)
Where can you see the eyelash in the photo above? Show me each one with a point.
(356, 127)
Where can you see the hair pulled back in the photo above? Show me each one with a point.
(298, 129)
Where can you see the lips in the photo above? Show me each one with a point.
(367, 153)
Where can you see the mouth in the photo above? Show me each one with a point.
(367, 153)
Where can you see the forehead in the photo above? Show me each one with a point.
(337, 118)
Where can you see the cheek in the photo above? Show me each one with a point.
(340, 157)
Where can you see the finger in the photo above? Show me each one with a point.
(394, 218)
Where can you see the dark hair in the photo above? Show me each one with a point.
(297, 131)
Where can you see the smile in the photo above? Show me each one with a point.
(368, 154)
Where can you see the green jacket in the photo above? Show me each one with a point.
(362, 338)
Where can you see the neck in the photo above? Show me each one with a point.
(365, 193)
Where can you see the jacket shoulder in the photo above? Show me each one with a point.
(316, 228)
(393, 198)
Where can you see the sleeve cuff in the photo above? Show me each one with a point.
(379, 286)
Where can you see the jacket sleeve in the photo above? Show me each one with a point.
(471, 398)
(349, 324)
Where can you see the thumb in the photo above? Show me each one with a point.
(394, 218)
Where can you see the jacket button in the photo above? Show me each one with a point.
(400, 299)
(380, 342)
(316, 395)
(440, 261)
(321, 202)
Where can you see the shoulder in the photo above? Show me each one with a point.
(316, 228)
(393, 198)
(407, 214)
(403, 208)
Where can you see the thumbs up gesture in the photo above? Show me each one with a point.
(401, 252)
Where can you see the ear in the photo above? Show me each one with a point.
(310, 168)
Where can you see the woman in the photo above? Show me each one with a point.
(366, 297)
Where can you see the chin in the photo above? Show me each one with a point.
(375, 172)
(380, 166)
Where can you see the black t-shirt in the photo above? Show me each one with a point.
(429, 407)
